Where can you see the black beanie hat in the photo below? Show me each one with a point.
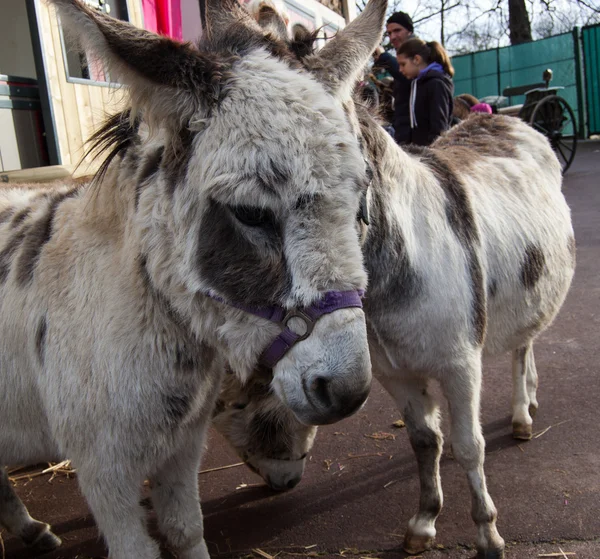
(403, 19)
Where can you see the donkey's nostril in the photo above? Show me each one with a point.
(292, 483)
(320, 388)
(278, 484)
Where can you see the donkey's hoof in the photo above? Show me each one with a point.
(199, 551)
(417, 544)
(47, 542)
(522, 431)
(39, 536)
(490, 554)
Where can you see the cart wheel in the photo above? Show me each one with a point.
(554, 118)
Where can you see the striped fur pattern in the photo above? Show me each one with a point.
(470, 250)
(234, 171)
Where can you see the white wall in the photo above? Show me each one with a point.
(315, 11)
(16, 52)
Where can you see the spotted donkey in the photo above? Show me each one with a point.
(223, 218)
(469, 251)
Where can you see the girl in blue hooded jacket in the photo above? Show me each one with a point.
(428, 66)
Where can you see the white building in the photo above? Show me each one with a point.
(52, 99)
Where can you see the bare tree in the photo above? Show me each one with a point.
(518, 22)
(553, 19)
(477, 25)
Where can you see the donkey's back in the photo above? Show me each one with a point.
(27, 218)
(513, 180)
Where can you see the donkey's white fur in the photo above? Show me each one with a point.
(517, 204)
(237, 174)
(420, 305)
(470, 250)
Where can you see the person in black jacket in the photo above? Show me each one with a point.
(428, 66)
(399, 28)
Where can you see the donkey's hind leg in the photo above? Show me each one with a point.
(532, 381)
(524, 401)
(15, 518)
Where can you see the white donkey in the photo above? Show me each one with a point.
(222, 223)
(469, 250)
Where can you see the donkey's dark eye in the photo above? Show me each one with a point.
(253, 217)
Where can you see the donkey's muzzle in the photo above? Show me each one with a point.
(332, 401)
(280, 475)
(327, 376)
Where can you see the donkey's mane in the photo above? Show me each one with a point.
(114, 137)
(305, 44)
(242, 40)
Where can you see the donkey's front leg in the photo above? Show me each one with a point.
(113, 494)
(176, 500)
(421, 416)
(468, 446)
(15, 518)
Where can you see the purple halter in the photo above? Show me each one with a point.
(330, 302)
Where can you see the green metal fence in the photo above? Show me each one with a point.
(490, 72)
(591, 54)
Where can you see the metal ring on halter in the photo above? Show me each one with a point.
(308, 322)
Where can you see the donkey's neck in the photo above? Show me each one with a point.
(394, 192)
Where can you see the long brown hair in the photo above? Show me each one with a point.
(429, 52)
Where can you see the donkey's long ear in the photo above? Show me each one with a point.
(270, 18)
(341, 61)
(166, 78)
(226, 19)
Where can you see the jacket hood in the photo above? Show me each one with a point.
(433, 73)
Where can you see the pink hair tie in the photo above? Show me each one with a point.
(481, 108)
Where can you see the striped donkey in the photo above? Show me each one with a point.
(222, 226)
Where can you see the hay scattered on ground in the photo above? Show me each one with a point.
(370, 454)
(544, 431)
(247, 485)
(221, 468)
(381, 436)
(264, 554)
(61, 468)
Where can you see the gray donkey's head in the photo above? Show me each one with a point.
(247, 178)
(264, 433)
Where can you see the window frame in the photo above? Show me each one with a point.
(123, 10)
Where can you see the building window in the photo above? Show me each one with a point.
(78, 65)
(299, 14)
(336, 6)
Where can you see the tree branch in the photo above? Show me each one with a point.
(429, 16)
(588, 6)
